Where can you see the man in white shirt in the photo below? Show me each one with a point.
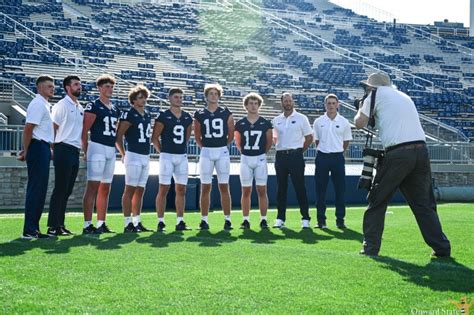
(37, 137)
(332, 134)
(68, 116)
(405, 165)
(292, 135)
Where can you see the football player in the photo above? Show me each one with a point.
(214, 131)
(253, 138)
(171, 134)
(100, 118)
(135, 125)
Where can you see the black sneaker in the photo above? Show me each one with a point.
(36, 235)
(181, 226)
(103, 229)
(440, 254)
(161, 227)
(245, 225)
(66, 231)
(321, 225)
(89, 230)
(29, 236)
(54, 232)
(341, 226)
(130, 228)
(41, 235)
(227, 225)
(203, 225)
(141, 228)
(264, 224)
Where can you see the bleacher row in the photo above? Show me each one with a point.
(189, 45)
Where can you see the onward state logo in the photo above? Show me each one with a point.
(463, 307)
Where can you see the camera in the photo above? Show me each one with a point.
(371, 157)
(359, 101)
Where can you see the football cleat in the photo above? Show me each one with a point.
(103, 229)
(89, 230)
(203, 225)
(141, 228)
(130, 228)
(161, 227)
(181, 226)
(264, 224)
(245, 225)
(227, 225)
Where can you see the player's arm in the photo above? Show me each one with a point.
(89, 119)
(197, 132)
(121, 130)
(189, 130)
(27, 136)
(238, 139)
(231, 127)
(155, 137)
(269, 136)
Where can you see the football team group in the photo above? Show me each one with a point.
(61, 131)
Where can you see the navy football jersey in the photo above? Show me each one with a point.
(253, 136)
(104, 128)
(214, 127)
(138, 134)
(173, 136)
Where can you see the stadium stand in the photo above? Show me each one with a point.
(310, 47)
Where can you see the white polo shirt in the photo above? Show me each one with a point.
(290, 131)
(331, 133)
(396, 117)
(39, 114)
(68, 115)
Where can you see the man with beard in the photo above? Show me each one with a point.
(68, 116)
(292, 135)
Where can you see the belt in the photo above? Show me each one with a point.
(407, 145)
(42, 141)
(330, 153)
(290, 151)
(70, 146)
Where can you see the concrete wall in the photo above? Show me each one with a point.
(13, 179)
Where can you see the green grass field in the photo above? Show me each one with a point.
(273, 271)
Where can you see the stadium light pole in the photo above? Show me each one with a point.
(471, 18)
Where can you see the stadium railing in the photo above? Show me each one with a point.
(11, 142)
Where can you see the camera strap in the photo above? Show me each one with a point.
(371, 123)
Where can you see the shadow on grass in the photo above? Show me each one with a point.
(345, 234)
(19, 246)
(441, 274)
(207, 239)
(307, 236)
(160, 239)
(264, 236)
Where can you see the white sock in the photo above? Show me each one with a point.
(136, 220)
(227, 217)
(263, 217)
(127, 220)
(161, 220)
(99, 223)
(204, 218)
(246, 218)
(179, 219)
(87, 223)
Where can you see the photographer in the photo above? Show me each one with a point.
(405, 165)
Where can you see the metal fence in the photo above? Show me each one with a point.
(11, 140)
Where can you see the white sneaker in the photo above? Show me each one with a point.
(279, 224)
(305, 224)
